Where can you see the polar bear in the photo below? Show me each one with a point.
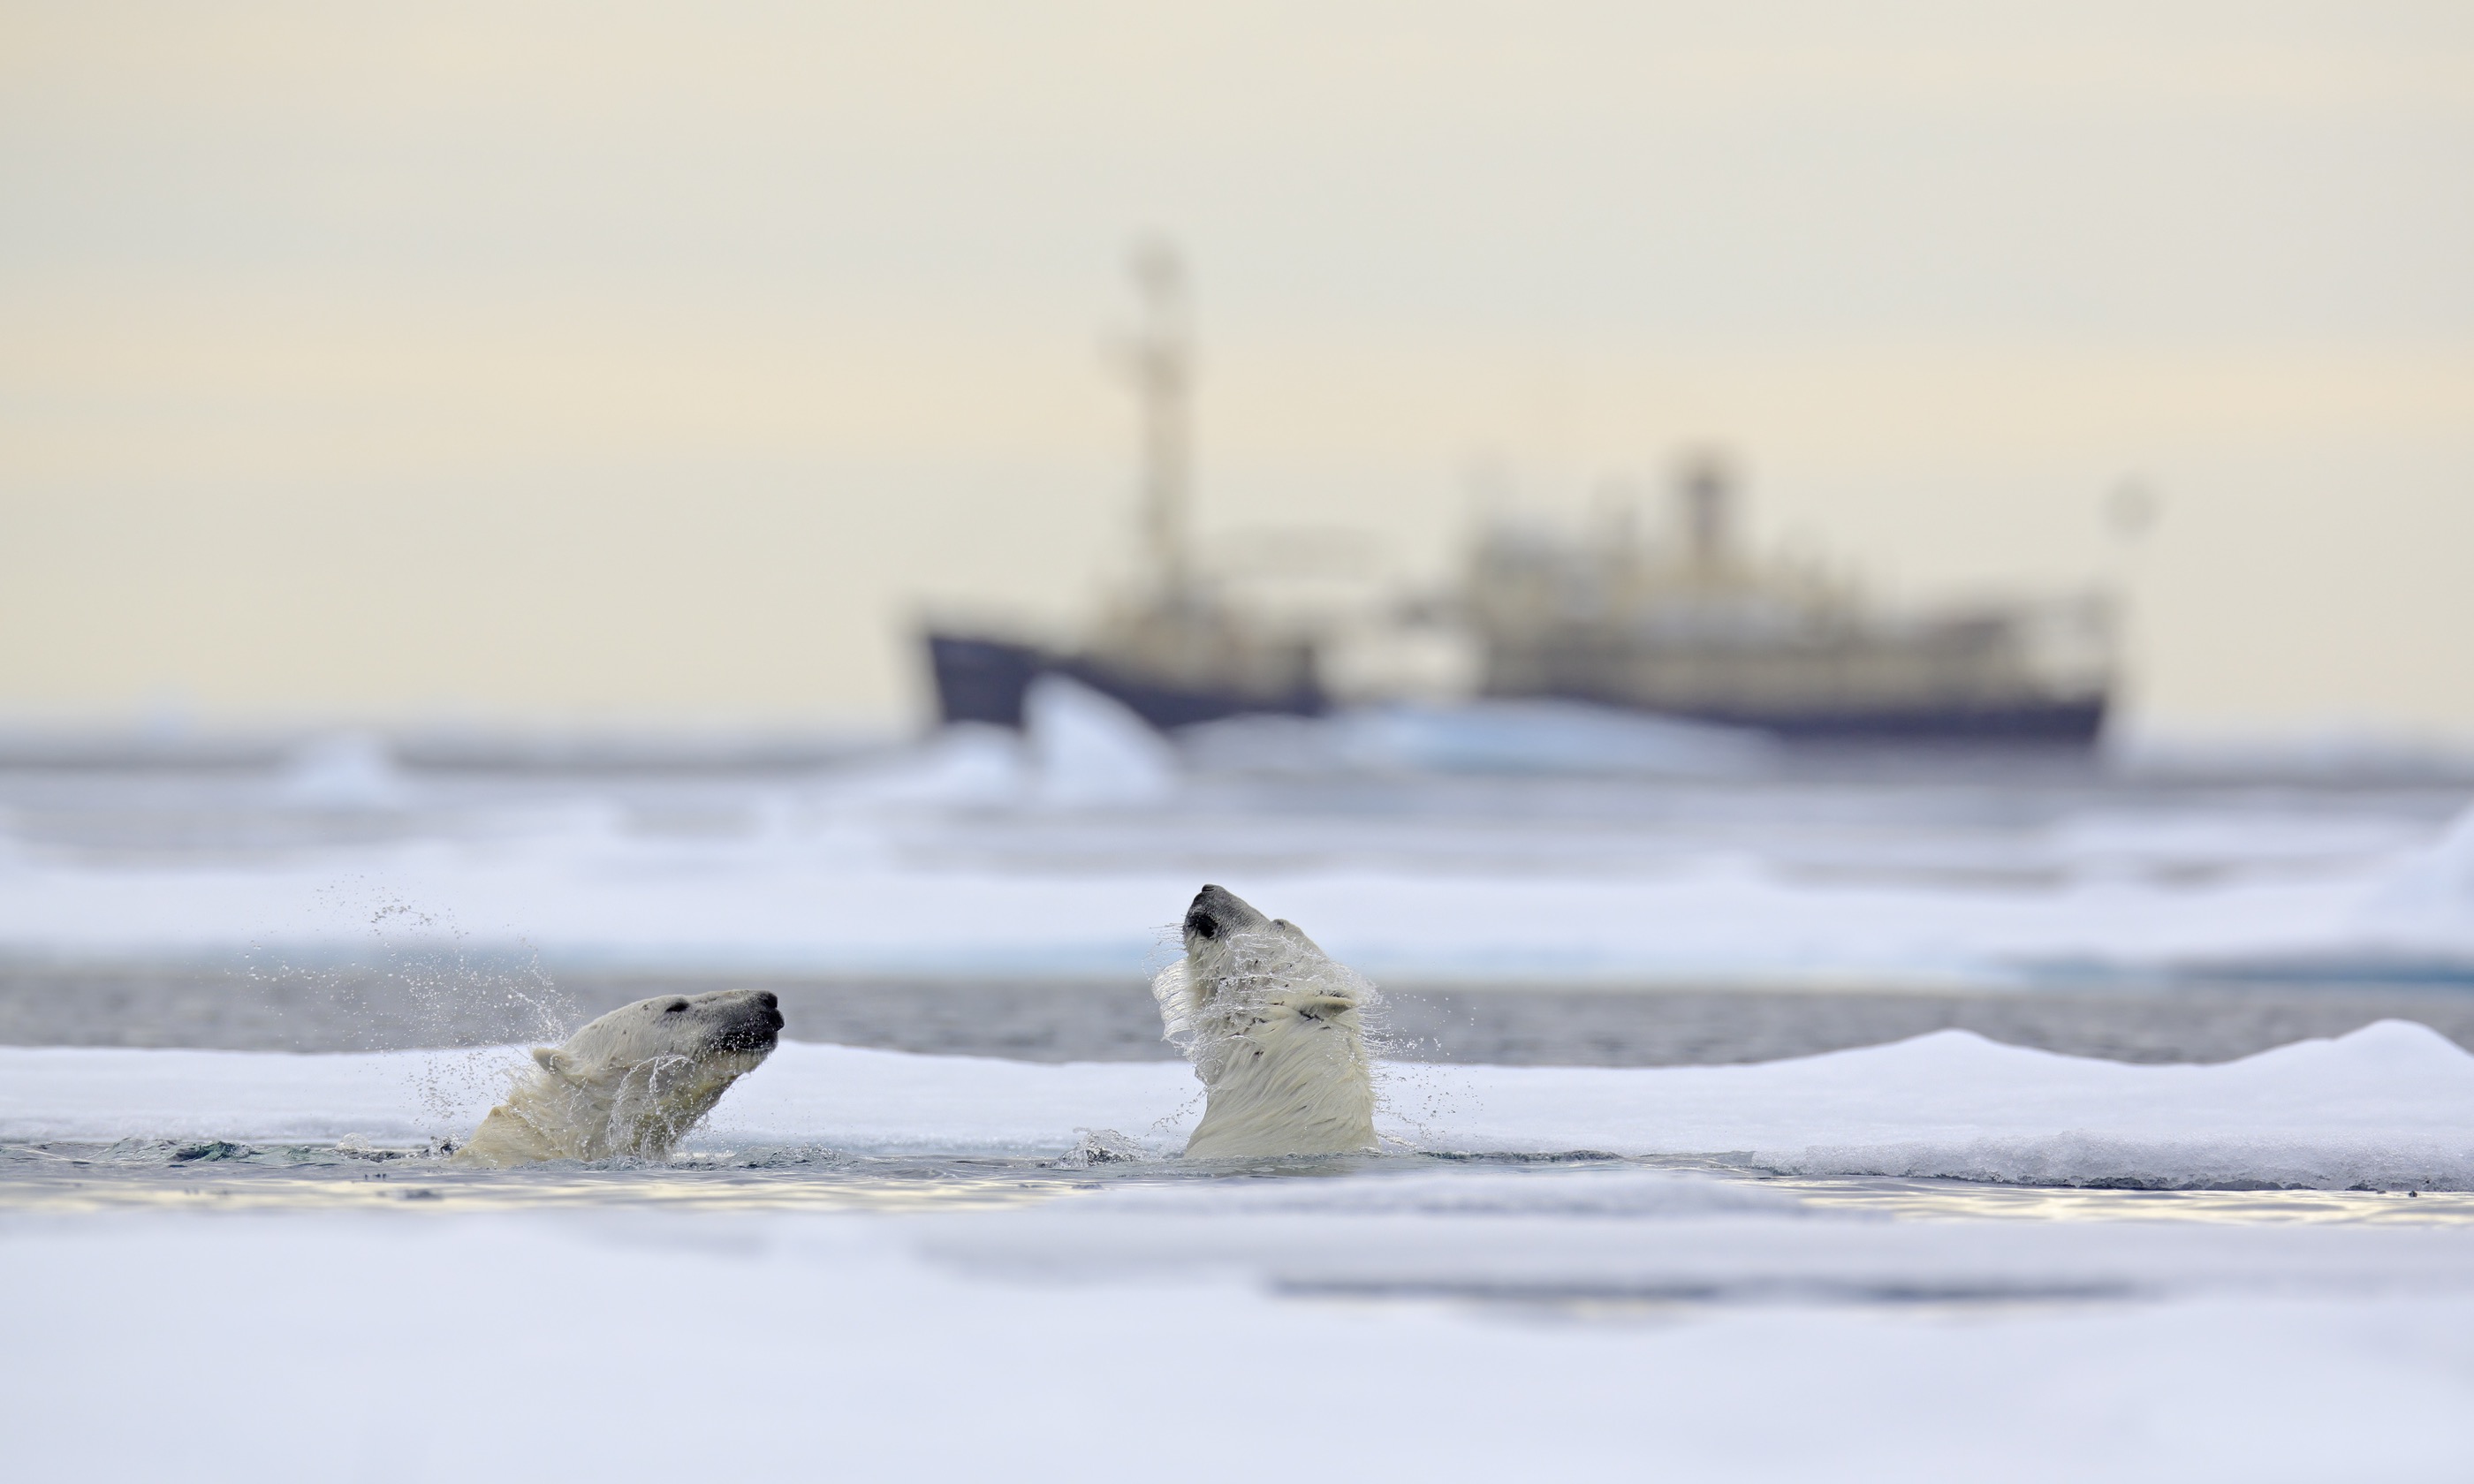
(1275, 1031)
(632, 1082)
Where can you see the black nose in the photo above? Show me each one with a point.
(768, 999)
(1201, 921)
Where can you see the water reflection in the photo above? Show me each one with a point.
(221, 1176)
(1926, 1200)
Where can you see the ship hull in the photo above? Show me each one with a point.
(980, 679)
(985, 680)
(2073, 722)
(2041, 721)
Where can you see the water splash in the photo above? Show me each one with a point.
(419, 981)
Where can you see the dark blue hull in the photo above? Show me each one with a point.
(982, 679)
(2065, 722)
(985, 680)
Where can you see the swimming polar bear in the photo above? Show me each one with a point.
(632, 1082)
(1276, 1032)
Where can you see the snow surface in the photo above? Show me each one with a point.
(1090, 749)
(2388, 1105)
(628, 1345)
(595, 896)
(977, 851)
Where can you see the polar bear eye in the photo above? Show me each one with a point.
(674, 1007)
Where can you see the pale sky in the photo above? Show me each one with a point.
(559, 363)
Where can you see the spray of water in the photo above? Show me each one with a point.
(417, 980)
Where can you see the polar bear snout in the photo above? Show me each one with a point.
(745, 1019)
(1216, 913)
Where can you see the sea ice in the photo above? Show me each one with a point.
(419, 1345)
(1089, 750)
(981, 851)
(2390, 1106)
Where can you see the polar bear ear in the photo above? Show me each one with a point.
(554, 1061)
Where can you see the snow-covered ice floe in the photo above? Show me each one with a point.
(1071, 848)
(852, 903)
(648, 1346)
(2388, 1107)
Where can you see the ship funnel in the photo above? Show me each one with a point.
(1704, 492)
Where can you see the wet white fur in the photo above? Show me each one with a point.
(629, 1084)
(1275, 1031)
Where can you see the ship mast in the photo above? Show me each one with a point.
(1159, 358)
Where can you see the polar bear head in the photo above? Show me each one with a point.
(631, 1083)
(1275, 1031)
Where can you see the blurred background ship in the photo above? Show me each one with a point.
(1696, 626)
(1693, 626)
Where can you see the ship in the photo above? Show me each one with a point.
(1177, 647)
(1696, 626)
(1692, 625)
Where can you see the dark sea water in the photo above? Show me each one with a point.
(379, 1008)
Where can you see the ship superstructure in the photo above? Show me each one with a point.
(1695, 626)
